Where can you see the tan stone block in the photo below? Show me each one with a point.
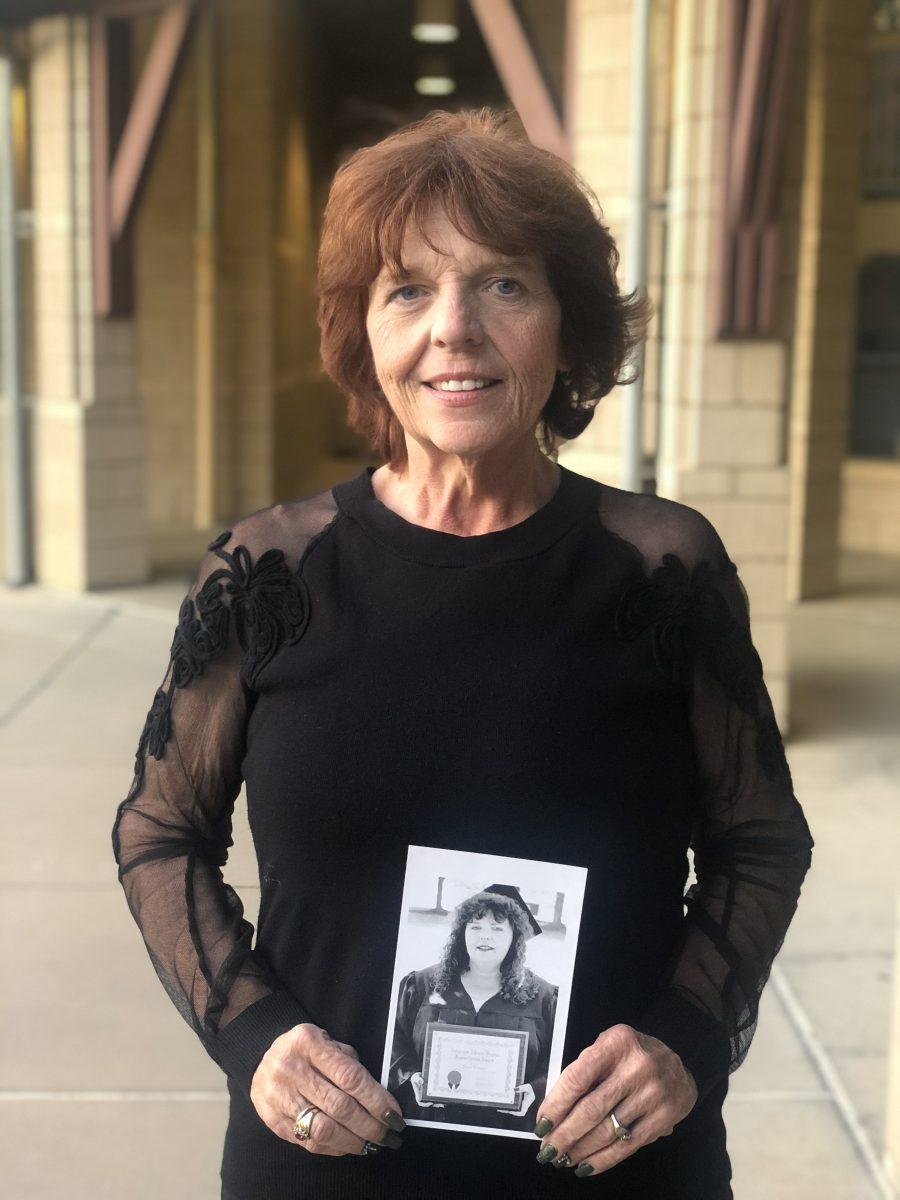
(887, 537)
(117, 564)
(771, 482)
(751, 529)
(739, 436)
(820, 537)
(819, 574)
(720, 371)
(762, 373)
(114, 442)
(606, 38)
(114, 381)
(604, 103)
(110, 523)
(695, 485)
(766, 582)
(856, 532)
(603, 159)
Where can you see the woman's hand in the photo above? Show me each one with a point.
(526, 1099)
(418, 1083)
(632, 1073)
(306, 1066)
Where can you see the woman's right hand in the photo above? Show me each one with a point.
(418, 1083)
(307, 1066)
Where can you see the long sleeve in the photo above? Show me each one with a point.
(751, 842)
(172, 831)
(542, 1065)
(404, 1059)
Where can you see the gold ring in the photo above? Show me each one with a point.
(622, 1132)
(303, 1124)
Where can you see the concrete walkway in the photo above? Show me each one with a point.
(105, 1092)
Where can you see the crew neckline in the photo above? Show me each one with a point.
(575, 495)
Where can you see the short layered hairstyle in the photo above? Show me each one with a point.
(498, 190)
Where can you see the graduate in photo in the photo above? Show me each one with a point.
(482, 980)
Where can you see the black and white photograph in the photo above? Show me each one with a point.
(482, 977)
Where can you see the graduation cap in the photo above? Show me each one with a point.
(512, 893)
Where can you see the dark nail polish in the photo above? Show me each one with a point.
(370, 1148)
(546, 1153)
(394, 1120)
(392, 1141)
(584, 1169)
(563, 1161)
(543, 1127)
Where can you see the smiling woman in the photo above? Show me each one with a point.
(465, 355)
(483, 227)
(472, 648)
(481, 981)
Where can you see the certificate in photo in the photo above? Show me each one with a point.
(472, 1065)
(482, 982)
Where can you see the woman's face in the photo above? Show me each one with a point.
(464, 314)
(488, 939)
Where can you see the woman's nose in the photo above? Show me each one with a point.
(455, 321)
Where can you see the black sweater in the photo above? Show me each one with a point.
(578, 688)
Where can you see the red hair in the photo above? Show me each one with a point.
(498, 190)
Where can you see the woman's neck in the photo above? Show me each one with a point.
(467, 496)
(482, 979)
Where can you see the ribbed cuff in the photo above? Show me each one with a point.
(240, 1046)
(698, 1039)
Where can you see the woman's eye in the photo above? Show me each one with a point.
(400, 292)
(508, 287)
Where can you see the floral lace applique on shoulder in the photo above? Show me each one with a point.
(690, 621)
(269, 604)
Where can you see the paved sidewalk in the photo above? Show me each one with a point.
(105, 1092)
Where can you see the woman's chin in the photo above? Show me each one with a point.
(467, 442)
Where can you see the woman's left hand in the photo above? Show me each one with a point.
(632, 1073)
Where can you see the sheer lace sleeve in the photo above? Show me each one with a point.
(751, 842)
(172, 831)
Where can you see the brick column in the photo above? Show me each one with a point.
(826, 289)
(87, 437)
(722, 405)
(598, 88)
(724, 402)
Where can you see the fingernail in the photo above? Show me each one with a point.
(393, 1141)
(563, 1161)
(584, 1169)
(394, 1120)
(546, 1153)
(543, 1127)
(370, 1148)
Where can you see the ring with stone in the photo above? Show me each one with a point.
(303, 1124)
(622, 1132)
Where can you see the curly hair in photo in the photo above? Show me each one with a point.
(518, 982)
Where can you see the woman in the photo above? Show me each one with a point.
(469, 647)
(481, 980)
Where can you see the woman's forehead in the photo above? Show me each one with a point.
(435, 244)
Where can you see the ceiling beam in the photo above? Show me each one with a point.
(517, 67)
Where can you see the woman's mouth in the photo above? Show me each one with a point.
(457, 392)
